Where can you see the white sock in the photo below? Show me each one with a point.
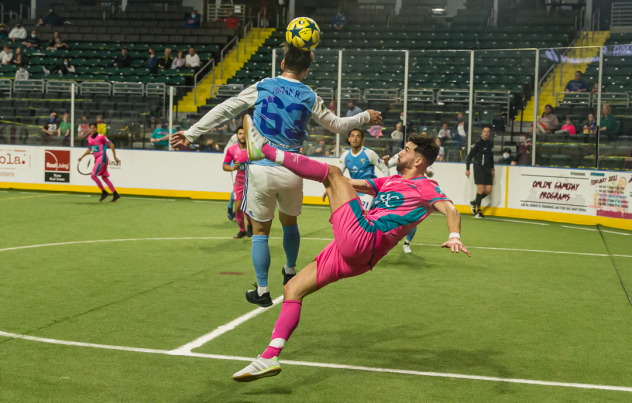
(261, 290)
(278, 343)
(289, 270)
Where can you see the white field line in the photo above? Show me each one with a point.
(521, 222)
(147, 198)
(591, 229)
(208, 201)
(324, 365)
(199, 342)
(36, 193)
(305, 239)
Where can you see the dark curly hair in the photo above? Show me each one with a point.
(425, 146)
(296, 60)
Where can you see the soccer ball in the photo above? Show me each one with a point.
(303, 33)
(429, 172)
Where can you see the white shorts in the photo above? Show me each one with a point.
(268, 187)
(366, 200)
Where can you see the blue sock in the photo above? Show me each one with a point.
(231, 200)
(291, 243)
(411, 234)
(261, 258)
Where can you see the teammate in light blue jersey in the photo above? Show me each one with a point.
(283, 106)
(361, 163)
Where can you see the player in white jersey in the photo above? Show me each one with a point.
(283, 107)
(361, 162)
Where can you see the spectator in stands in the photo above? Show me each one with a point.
(123, 60)
(220, 128)
(52, 19)
(211, 147)
(507, 158)
(444, 133)
(340, 19)
(590, 125)
(6, 55)
(235, 123)
(152, 63)
(320, 150)
(17, 33)
(264, 7)
(32, 42)
(51, 126)
(62, 69)
(232, 22)
(40, 22)
(57, 44)
(21, 74)
(102, 128)
(409, 124)
(64, 128)
(595, 89)
(568, 127)
(524, 154)
(3, 33)
(192, 59)
(179, 61)
(82, 129)
(607, 122)
(160, 136)
(441, 155)
(353, 109)
(397, 133)
(332, 106)
(461, 127)
(548, 123)
(19, 57)
(577, 85)
(165, 62)
(193, 21)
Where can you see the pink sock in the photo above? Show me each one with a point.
(239, 217)
(98, 182)
(285, 325)
(302, 166)
(110, 185)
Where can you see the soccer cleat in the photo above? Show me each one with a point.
(116, 197)
(253, 297)
(249, 231)
(104, 194)
(259, 368)
(479, 214)
(231, 214)
(473, 207)
(406, 248)
(254, 141)
(286, 277)
(240, 234)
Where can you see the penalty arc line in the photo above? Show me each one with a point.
(324, 365)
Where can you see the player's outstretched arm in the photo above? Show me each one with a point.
(88, 151)
(454, 226)
(378, 162)
(327, 119)
(361, 186)
(114, 152)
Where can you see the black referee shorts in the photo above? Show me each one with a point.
(483, 176)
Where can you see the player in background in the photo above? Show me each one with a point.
(231, 201)
(283, 106)
(361, 238)
(361, 163)
(97, 143)
(236, 159)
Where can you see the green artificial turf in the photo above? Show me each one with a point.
(561, 317)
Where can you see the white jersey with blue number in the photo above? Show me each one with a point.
(362, 165)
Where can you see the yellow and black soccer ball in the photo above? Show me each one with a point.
(303, 33)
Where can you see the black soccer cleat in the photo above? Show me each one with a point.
(116, 197)
(287, 277)
(249, 231)
(263, 301)
(104, 194)
(240, 234)
(479, 214)
(473, 207)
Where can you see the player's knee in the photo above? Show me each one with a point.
(334, 171)
(290, 290)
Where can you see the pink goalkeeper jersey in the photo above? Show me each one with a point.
(97, 146)
(399, 206)
(236, 154)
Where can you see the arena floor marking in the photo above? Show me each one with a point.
(147, 198)
(591, 229)
(305, 239)
(200, 341)
(323, 365)
(30, 197)
(520, 222)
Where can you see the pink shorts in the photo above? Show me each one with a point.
(238, 188)
(352, 250)
(101, 169)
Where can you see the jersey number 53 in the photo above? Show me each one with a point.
(273, 122)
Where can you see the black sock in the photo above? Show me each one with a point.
(479, 198)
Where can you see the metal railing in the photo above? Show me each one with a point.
(156, 89)
(96, 88)
(29, 85)
(595, 23)
(214, 13)
(9, 13)
(353, 94)
(229, 90)
(419, 96)
(326, 93)
(126, 88)
(6, 86)
(621, 18)
(572, 98)
(246, 35)
(195, 78)
(390, 94)
(221, 54)
(448, 96)
(61, 86)
(613, 98)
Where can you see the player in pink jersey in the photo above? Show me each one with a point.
(97, 143)
(238, 154)
(361, 238)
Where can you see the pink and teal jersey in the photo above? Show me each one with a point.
(399, 206)
(97, 146)
(238, 156)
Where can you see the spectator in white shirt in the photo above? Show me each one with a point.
(397, 133)
(192, 59)
(21, 74)
(6, 55)
(17, 33)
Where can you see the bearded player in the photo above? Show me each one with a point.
(361, 238)
(283, 106)
(236, 159)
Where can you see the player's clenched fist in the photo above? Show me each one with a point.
(376, 117)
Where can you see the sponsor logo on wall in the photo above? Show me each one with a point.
(57, 166)
(12, 161)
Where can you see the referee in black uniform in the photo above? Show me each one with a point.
(483, 155)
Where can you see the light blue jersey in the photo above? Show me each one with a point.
(362, 165)
(281, 113)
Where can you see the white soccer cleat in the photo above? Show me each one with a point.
(406, 249)
(259, 368)
(254, 140)
(429, 172)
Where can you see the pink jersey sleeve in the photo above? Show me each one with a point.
(228, 158)
(377, 183)
(432, 193)
(103, 140)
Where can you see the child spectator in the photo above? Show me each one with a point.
(444, 133)
(441, 156)
(590, 125)
(179, 61)
(6, 55)
(83, 129)
(21, 74)
(568, 127)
